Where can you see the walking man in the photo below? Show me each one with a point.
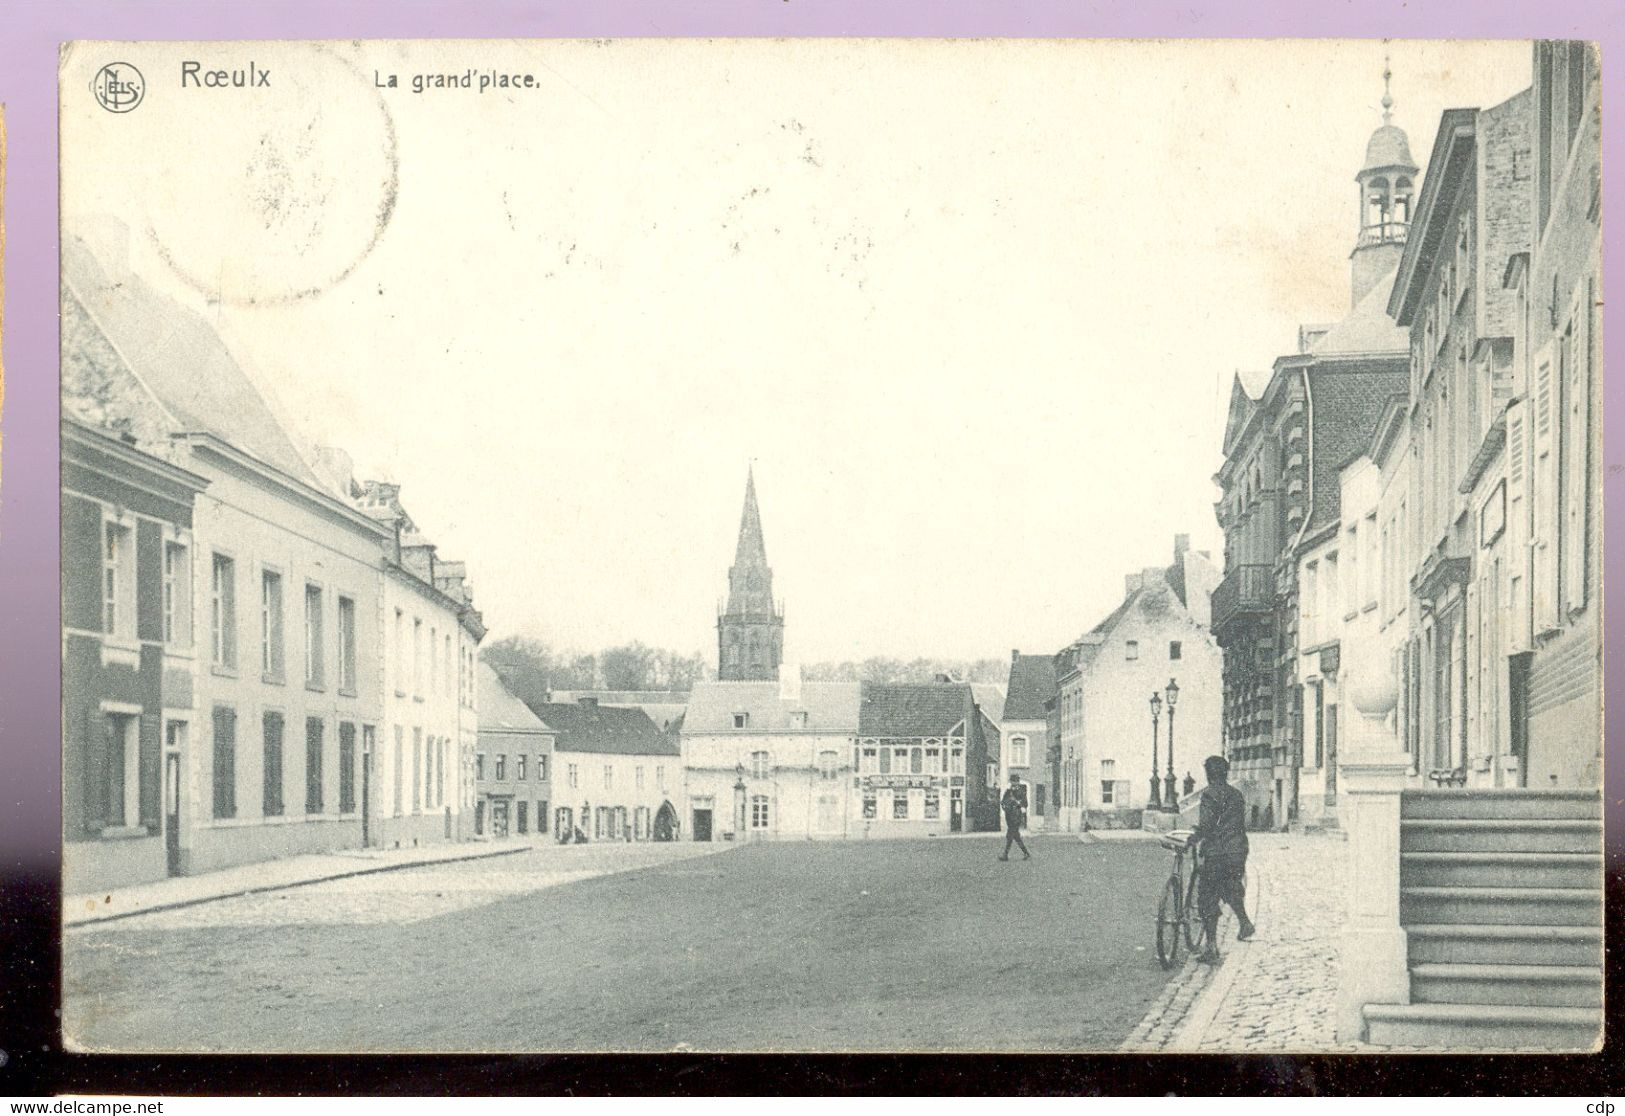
(1014, 804)
(1222, 830)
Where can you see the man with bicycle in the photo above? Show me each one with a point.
(1222, 831)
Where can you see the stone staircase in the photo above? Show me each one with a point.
(1501, 898)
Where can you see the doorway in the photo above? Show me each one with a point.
(702, 825)
(172, 806)
(1331, 755)
(1518, 713)
(366, 786)
(499, 818)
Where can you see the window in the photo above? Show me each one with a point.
(521, 821)
(660, 777)
(346, 767)
(177, 596)
(1175, 649)
(574, 776)
(885, 761)
(434, 663)
(400, 653)
(123, 771)
(637, 776)
(417, 657)
(271, 625)
(760, 765)
(346, 645)
(541, 768)
(869, 809)
(541, 815)
(741, 720)
(916, 761)
(314, 670)
(315, 729)
(447, 686)
(933, 805)
(118, 568)
(1018, 751)
(1131, 649)
(502, 766)
(899, 806)
(798, 719)
(271, 733)
(758, 811)
(1108, 783)
(479, 766)
(868, 762)
(225, 762)
(609, 776)
(958, 767)
(828, 763)
(400, 771)
(519, 767)
(933, 761)
(223, 611)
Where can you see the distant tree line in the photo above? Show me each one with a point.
(881, 669)
(533, 668)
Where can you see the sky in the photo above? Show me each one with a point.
(970, 310)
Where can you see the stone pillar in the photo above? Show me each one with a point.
(1374, 963)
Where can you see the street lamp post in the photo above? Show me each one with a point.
(739, 802)
(1156, 784)
(1170, 795)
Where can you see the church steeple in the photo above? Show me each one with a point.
(1387, 188)
(750, 629)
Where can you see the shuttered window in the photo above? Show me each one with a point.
(225, 762)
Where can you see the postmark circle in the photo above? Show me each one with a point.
(118, 87)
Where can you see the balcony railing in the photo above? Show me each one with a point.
(1245, 591)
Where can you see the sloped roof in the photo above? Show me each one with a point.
(1388, 147)
(830, 707)
(500, 711)
(604, 729)
(990, 697)
(181, 360)
(1368, 328)
(1032, 682)
(912, 708)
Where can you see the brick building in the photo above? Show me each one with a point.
(1472, 221)
(128, 666)
(1024, 739)
(1287, 437)
(923, 755)
(513, 764)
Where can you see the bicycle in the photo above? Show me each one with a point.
(1177, 919)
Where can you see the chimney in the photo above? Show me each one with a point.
(1182, 543)
(790, 682)
(337, 468)
(943, 678)
(1014, 655)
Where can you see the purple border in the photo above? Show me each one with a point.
(29, 582)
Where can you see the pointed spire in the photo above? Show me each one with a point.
(751, 549)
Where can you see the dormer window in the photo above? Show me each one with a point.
(741, 720)
(798, 719)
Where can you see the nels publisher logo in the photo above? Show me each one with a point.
(118, 87)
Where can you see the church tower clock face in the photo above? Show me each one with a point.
(750, 627)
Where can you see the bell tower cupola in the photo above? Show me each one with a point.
(1387, 183)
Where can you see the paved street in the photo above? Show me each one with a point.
(1276, 994)
(887, 945)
